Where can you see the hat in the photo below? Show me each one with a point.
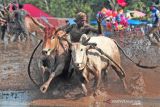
(81, 16)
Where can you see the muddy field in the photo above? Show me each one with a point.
(18, 90)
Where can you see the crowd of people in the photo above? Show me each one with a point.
(118, 20)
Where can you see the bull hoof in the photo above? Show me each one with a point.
(43, 88)
(96, 93)
(85, 94)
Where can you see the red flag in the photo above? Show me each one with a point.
(122, 3)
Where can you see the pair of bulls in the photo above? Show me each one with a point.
(90, 56)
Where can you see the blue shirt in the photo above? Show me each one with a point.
(155, 15)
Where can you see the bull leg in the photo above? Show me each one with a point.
(105, 73)
(45, 86)
(105, 76)
(121, 76)
(43, 70)
(84, 80)
(97, 82)
(84, 89)
(71, 70)
(55, 73)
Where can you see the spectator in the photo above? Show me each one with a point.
(20, 15)
(121, 19)
(155, 15)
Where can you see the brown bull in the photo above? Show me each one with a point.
(57, 48)
(88, 60)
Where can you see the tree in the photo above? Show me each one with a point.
(69, 8)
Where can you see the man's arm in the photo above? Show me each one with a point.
(66, 28)
(89, 28)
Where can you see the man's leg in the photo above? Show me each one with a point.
(3, 29)
(24, 32)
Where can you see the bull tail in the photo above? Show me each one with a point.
(137, 64)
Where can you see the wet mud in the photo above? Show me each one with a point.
(17, 90)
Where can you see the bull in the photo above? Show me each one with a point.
(56, 57)
(95, 55)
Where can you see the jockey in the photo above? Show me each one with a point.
(81, 27)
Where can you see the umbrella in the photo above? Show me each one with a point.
(135, 14)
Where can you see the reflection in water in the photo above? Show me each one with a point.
(14, 98)
(13, 64)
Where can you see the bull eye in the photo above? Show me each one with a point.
(81, 50)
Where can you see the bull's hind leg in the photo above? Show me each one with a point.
(97, 82)
(104, 73)
(121, 76)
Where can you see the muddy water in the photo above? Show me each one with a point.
(14, 82)
(17, 90)
(14, 98)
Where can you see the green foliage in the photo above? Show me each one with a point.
(68, 8)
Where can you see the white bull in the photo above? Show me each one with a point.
(87, 59)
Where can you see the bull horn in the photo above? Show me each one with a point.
(84, 39)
